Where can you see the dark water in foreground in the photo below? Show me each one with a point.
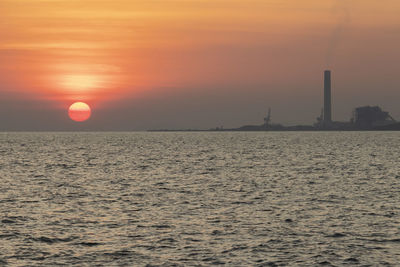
(239, 199)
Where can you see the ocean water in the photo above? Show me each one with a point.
(200, 199)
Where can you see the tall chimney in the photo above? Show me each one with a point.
(327, 97)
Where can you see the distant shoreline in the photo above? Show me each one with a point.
(287, 130)
(333, 127)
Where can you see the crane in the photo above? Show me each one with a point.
(267, 119)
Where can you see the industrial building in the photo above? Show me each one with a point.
(371, 117)
(364, 118)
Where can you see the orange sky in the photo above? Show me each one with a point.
(103, 51)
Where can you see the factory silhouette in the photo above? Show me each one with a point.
(367, 118)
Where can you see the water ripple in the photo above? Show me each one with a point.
(199, 199)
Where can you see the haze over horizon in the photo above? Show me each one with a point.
(193, 64)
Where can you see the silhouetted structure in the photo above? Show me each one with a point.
(267, 119)
(320, 119)
(370, 117)
(364, 118)
(327, 98)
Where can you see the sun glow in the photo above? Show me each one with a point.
(81, 83)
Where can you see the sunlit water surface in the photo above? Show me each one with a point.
(239, 199)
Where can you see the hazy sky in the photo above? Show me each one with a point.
(147, 64)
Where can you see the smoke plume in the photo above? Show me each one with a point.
(341, 12)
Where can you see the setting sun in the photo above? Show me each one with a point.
(79, 111)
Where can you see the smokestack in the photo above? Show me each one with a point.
(327, 97)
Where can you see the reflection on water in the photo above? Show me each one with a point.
(240, 199)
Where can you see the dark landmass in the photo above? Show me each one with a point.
(392, 127)
(365, 118)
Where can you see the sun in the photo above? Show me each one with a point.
(79, 111)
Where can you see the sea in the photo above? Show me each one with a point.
(200, 199)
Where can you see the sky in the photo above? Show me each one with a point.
(177, 64)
